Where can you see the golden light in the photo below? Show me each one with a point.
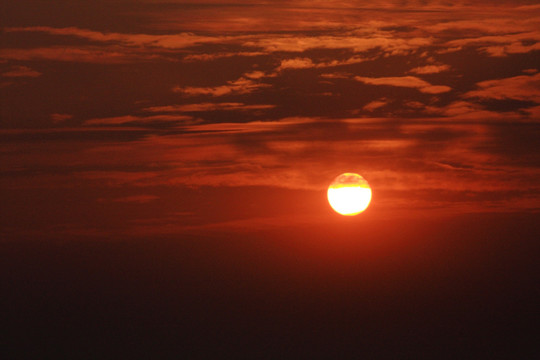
(349, 194)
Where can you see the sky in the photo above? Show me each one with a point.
(188, 139)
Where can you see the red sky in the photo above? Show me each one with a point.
(136, 105)
(227, 119)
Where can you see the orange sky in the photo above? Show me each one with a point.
(120, 107)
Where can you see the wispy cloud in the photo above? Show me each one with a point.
(84, 54)
(296, 63)
(306, 63)
(250, 127)
(386, 43)
(523, 87)
(483, 25)
(236, 87)
(406, 81)
(218, 155)
(21, 71)
(257, 74)
(336, 75)
(211, 57)
(502, 45)
(466, 111)
(430, 69)
(175, 41)
(106, 47)
(229, 106)
(376, 104)
(130, 119)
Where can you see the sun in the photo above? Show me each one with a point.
(349, 194)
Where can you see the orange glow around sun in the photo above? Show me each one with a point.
(349, 194)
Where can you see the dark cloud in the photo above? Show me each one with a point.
(20, 71)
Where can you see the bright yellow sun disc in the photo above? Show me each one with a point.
(349, 194)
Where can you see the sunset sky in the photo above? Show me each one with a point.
(191, 143)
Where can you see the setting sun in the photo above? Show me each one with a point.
(349, 194)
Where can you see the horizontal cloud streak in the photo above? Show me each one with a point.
(405, 81)
(130, 119)
(526, 88)
(209, 107)
(21, 71)
(430, 69)
(236, 87)
(176, 41)
(79, 54)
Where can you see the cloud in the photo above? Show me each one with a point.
(175, 41)
(297, 63)
(448, 50)
(514, 48)
(21, 71)
(209, 107)
(306, 63)
(465, 110)
(130, 119)
(405, 81)
(268, 43)
(263, 153)
(449, 159)
(462, 109)
(110, 47)
(376, 104)
(495, 39)
(529, 7)
(502, 45)
(435, 89)
(211, 57)
(353, 42)
(89, 54)
(336, 75)
(523, 87)
(239, 86)
(255, 75)
(482, 25)
(430, 69)
(139, 43)
(249, 127)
